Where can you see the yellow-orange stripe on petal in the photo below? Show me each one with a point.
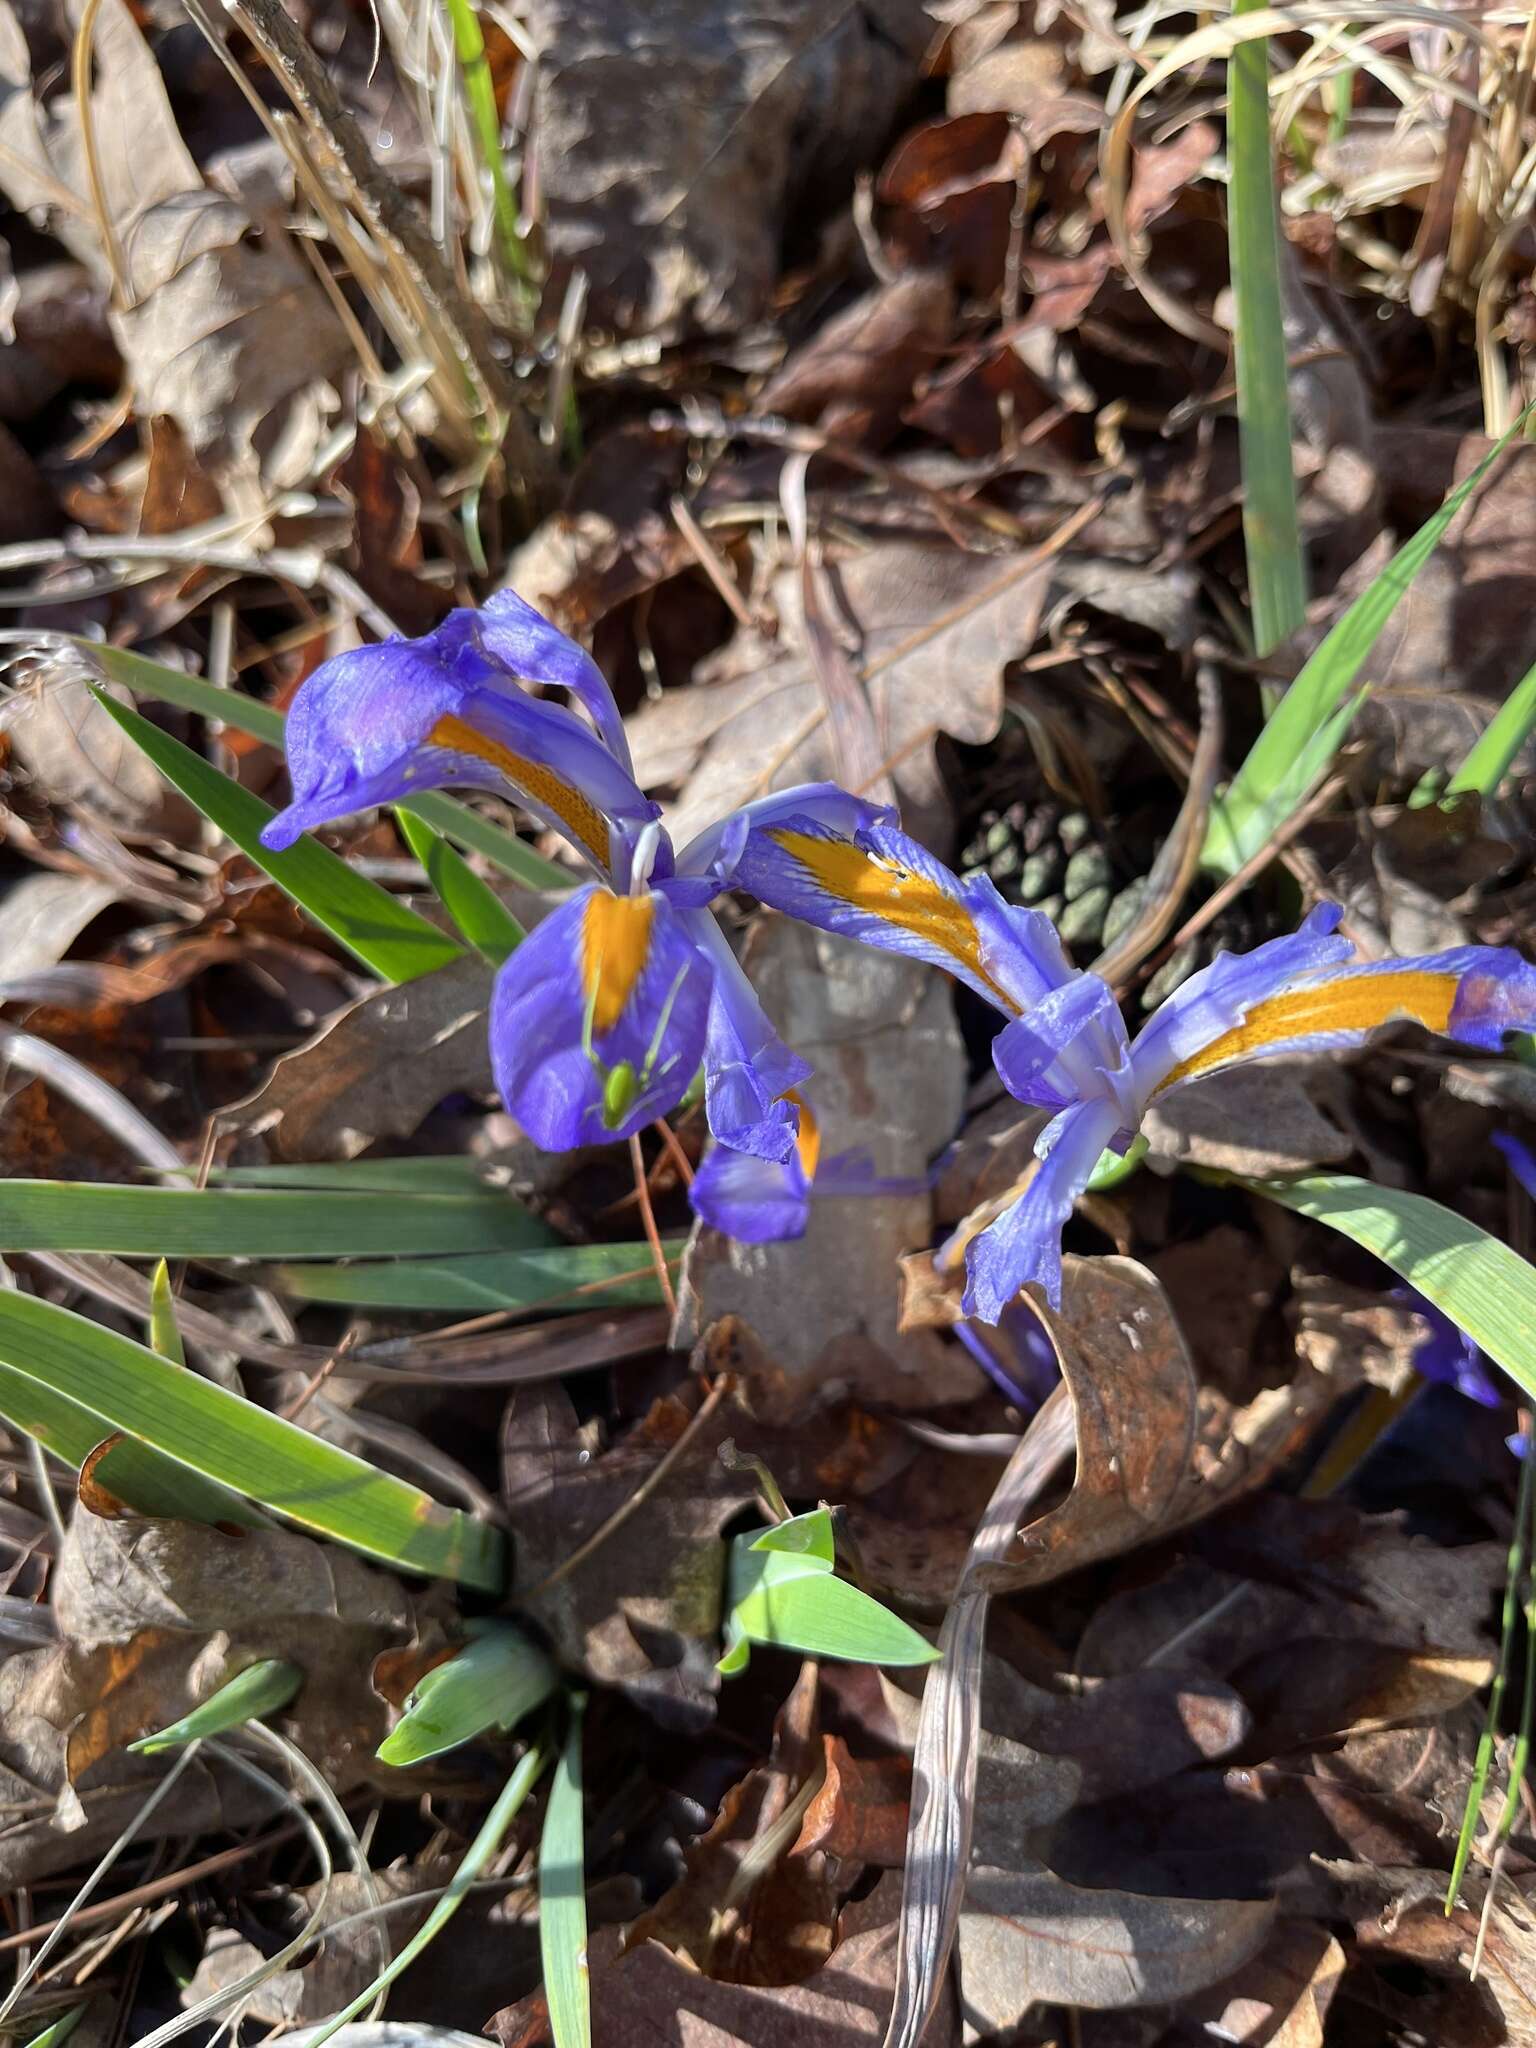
(615, 944)
(881, 888)
(1356, 1004)
(580, 817)
(807, 1137)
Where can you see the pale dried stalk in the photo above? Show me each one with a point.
(948, 1733)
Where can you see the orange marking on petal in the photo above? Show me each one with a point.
(885, 890)
(1358, 1004)
(615, 944)
(808, 1137)
(580, 817)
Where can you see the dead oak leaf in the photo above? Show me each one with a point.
(929, 632)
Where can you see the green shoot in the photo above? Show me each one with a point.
(1491, 759)
(782, 1592)
(58, 2031)
(260, 1689)
(480, 96)
(1295, 748)
(164, 1334)
(476, 909)
(563, 1897)
(1276, 566)
(497, 1678)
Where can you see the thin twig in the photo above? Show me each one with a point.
(639, 1497)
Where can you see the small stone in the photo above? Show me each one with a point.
(1178, 967)
(1124, 909)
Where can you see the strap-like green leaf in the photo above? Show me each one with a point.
(563, 1898)
(573, 1276)
(477, 911)
(1485, 1288)
(384, 933)
(212, 1431)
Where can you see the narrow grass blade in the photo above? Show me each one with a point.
(783, 1591)
(1316, 709)
(499, 1676)
(474, 906)
(58, 2031)
(277, 1223)
(1276, 566)
(1485, 1288)
(479, 1853)
(480, 97)
(454, 820)
(563, 1898)
(1482, 1763)
(384, 933)
(259, 1689)
(450, 1174)
(583, 1276)
(1493, 756)
(214, 1432)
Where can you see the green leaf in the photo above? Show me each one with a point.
(573, 1276)
(1485, 1288)
(384, 933)
(454, 820)
(479, 1853)
(563, 1898)
(1276, 565)
(192, 1223)
(450, 1174)
(125, 1470)
(499, 1676)
(164, 1333)
(58, 2031)
(200, 1425)
(260, 1689)
(477, 911)
(1295, 747)
(782, 1591)
(1493, 756)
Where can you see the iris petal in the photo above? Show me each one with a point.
(654, 1001)
(748, 1068)
(1024, 1244)
(756, 1201)
(527, 644)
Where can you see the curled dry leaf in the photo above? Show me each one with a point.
(889, 1077)
(931, 631)
(76, 752)
(1127, 1369)
(857, 372)
(669, 161)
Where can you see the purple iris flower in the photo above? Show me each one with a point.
(765, 1201)
(602, 1016)
(1065, 1048)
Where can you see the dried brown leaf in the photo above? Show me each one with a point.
(376, 1068)
(933, 630)
(1027, 1936)
(76, 751)
(857, 371)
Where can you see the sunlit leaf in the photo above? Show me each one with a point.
(499, 1676)
(783, 1591)
(260, 1689)
(477, 911)
(563, 1899)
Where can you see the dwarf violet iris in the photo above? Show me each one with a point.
(1065, 1047)
(603, 1015)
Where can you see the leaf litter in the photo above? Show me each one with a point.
(888, 436)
